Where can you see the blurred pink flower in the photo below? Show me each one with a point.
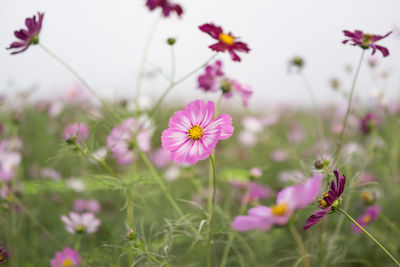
(366, 40)
(80, 223)
(226, 41)
(256, 172)
(77, 131)
(256, 191)
(67, 258)
(160, 158)
(193, 133)
(130, 134)
(370, 215)
(83, 205)
(288, 200)
(50, 173)
(279, 155)
(166, 6)
(368, 123)
(29, 36)
(296, 134)
(10, 158)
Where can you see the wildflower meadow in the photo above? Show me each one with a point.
(208, 180)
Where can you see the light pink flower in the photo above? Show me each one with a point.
(10, 158)
(256, 191)
(80, 223)
(80, 131)
(193, 133)
(90, 205)
(370, 215)
(67, 258)
(160, 158)
(279, 155)
(256, 172)
(50, 173)
(288, 200)
(130, 134)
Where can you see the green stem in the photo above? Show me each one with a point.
(163, 187)
(173, 84)
(144, 57)
(102, 161)
(370, 236)
(173, 64)
(212, 187)
(77, 242)
(300, 244)
(346, 117)
(387, 221)
(79, 77)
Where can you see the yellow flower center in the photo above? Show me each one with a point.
(279, 210)
(367, 219)
(321, 202)
(67, 263)
(226, 39)
(80, 228)
(195, 133)
(1, 257)
(366, 40)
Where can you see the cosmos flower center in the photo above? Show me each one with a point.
(195, 133)
(1, 257)
(366, 39)
(321, 202)
(367, 219)
(226, 86)
(80, 228)
(226, 39)
(367, 197)
(279, 210)
(67, 263)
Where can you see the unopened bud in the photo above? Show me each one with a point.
(171, 41)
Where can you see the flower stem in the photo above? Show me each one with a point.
(144, 57)
(212, 187)
(300, 244)
(346, 117)
(76, 74)
(163, 187)
(370, 236)
(174, 83)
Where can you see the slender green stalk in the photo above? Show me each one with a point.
(212, 187)
(77, 242)
(370, 236)
(163, 187)
(300, 244)
(144, 57)
(350, 101)
(100, 161)
(173, 84)
(387, 221)
(79, 77)
(173, 64)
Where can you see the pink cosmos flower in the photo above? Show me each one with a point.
(370, 214)
(67, 258)
(10, 158)
(76, 132)
(256, 172)
(166, 6)
(29, 36)
(210, 80)
(91, 205)
(328, 201)
(214, 80)
(130, 134)
(288, 200)
(256, 191)
(279, 155)
(193, 133)
(226, 41)
(366, 40)
(160, 158)
(80, 223)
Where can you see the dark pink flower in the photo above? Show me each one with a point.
(329, 200)
(3, 254)
(210, 80)
(29, 36)
(226, 41)
(368, 123)
(370, 214)
(366, 40)
(166, 6)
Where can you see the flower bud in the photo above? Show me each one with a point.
(318, 164)
(171, 41)
(130, 234)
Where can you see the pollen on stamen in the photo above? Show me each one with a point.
(226, 39)
(195, 133)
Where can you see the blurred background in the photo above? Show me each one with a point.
(104, 41)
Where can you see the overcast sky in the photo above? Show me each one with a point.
(104, 41)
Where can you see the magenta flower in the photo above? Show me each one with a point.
(210, 80)
(288, 200)
(193, 133)
(256, 191)
(76, 132)
(29, 36)
(80, 223)
(92, 206)
(368, 123)
(329, 201)
(129, 135)
(3, 254)
(226, 41)
(166, 6)
(370, 215)
(366, 40)
(214, 80)
(67, 258)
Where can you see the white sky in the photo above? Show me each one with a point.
(104, 41)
